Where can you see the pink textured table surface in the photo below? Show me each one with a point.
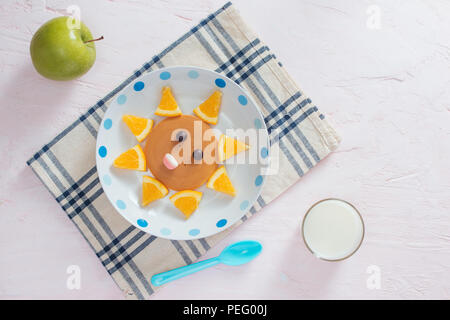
(380, 72)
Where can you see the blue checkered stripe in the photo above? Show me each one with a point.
(83, 199)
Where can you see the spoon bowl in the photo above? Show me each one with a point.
(240, 252)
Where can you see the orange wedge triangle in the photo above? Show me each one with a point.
(208, 111)
(152, 190)
(168, 106)
(140, 127)
(186, 201)
(228, 147)
(220, 181)
(132, 159)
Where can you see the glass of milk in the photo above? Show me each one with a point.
(333, 229)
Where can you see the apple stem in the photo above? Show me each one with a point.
(101, 38)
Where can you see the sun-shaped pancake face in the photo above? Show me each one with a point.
(182, 153)
(191, 142)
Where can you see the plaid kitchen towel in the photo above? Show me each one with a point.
(221, 42)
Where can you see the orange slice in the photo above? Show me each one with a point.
(229, 147)
(168, 107)
(220, 181)
(133, 159)
(208, 111)
(152, 190)
(186, 201)
(140, 127)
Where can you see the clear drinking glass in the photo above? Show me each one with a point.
(333, 229)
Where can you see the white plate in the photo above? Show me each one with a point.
(191, 86)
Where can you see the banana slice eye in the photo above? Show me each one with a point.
(181, 136)
(197, 154)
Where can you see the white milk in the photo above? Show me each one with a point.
(333, 229)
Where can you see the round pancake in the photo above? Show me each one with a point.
(190, 174)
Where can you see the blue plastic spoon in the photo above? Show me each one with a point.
(235, 254)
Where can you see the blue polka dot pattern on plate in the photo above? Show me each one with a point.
(121, 205)
(138, 86)
(221, 223)
(244, 205)
(194, 232)
(193, 74)
(165, 231)
(121, 99)
(258, 123)
(107, 179)
(242, 100)
(264, 152)
(258, 181)
(107, 124)
(142, 223)
(164, 75)
(102, 151)
(220, 83)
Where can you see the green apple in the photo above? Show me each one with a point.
(62, 49)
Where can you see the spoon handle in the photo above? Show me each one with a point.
(164, 277)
